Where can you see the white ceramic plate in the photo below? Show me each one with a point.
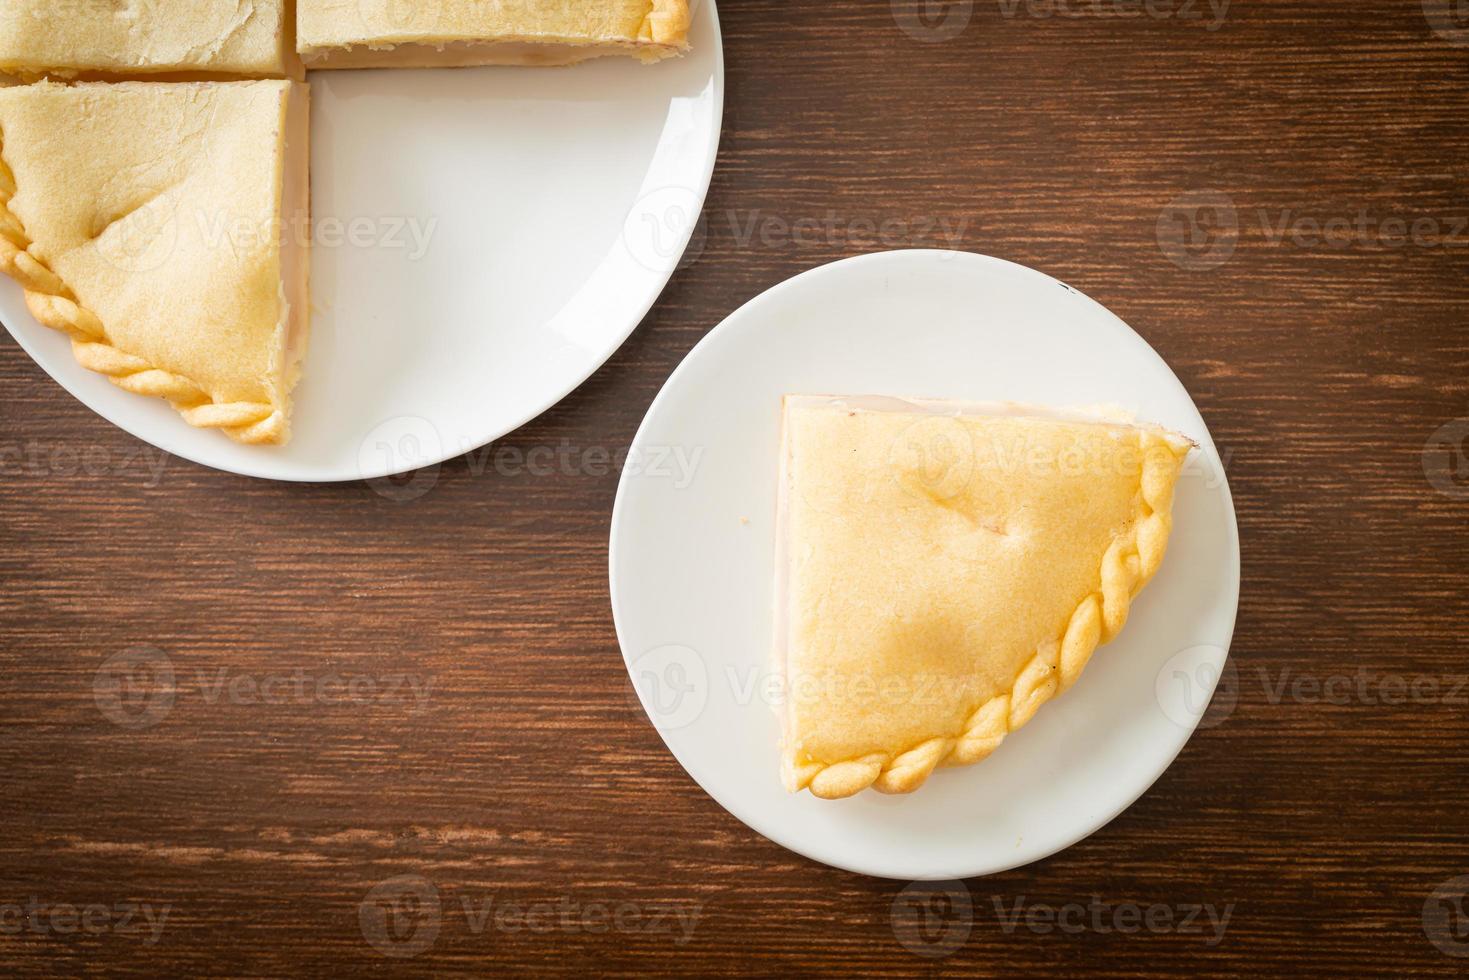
(692, 548)
(512, 227)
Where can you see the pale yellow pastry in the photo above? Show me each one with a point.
(945, 569)
(67, 38)
(458, 33)
(164, 226)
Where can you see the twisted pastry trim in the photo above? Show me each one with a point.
(54, 305)
(1127, 566)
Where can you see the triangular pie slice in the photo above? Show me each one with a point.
(945, 569)
(165, 227)
(110, 38)
(460, 33)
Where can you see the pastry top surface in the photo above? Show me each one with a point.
(336, 23)
(929, 555)
(137, 37)
(158, 205)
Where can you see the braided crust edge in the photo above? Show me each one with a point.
(1128, 565)
(54, 305)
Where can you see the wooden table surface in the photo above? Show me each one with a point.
(382, 696)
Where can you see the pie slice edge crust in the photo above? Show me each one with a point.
(1130, 561)
(459, 35)
(55, 304)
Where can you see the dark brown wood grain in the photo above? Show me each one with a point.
(529, 776)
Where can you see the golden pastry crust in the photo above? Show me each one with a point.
(54, 305)
(461, 33)
(667, 23)
(176, 324)
(1134, 548)
(237, 38)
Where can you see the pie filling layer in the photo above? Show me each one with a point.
(465, 54)
(295, 237)
(463, 33)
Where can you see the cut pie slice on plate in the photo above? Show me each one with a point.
(106, 38)
(945, 569)
(165, 227)
(460, 33)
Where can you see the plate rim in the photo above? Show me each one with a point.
(262, 469)
(738, 809)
